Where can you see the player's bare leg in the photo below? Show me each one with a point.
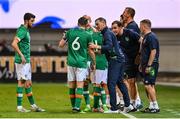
(151, 94)
(132, 89)
(138, 102)
(128, 86)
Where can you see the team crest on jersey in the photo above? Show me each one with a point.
(127, 39)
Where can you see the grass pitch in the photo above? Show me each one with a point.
(55, 99)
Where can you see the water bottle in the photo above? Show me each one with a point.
(152, 71)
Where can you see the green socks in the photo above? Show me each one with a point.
(29, 95)
(103, 96)
(86, 94)
(19, 95)
(96, 96)
(79, 95)
(72, 96)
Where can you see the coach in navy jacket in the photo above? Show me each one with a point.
(116, 60)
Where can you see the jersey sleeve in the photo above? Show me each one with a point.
(20, 34)
(153, 44)
(135, 36)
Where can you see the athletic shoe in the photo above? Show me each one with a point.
(112, 111)
(37, 109)
(105, 108)
(120, 106)
(134, 110)
(154, 110)
(108, 105)
(87, 109)
(74, 110)
(128, 109)
(98, 110)
(22, 110)
(147, 110)
(139, 106)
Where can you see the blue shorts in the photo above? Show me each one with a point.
(150, 78)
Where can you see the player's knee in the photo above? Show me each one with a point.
(21, 82)
(71, 84)
(147, 87)
(80, 84)
(28, 84)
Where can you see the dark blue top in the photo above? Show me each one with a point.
(150, 42)
(133, 26)
(129, 42)
(110, 46)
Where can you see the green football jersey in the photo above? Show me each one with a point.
(90, 31)
(23, 35)
(78, 40)
(101, 61)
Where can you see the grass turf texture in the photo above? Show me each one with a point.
(55, 99)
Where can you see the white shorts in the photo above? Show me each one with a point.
(100, 76)
(23, 71)
(76, 74)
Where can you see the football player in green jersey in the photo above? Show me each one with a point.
(21, 45)
(90, 29)
(78, 47)
(100, 78)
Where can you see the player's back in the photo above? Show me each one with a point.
(78, 40)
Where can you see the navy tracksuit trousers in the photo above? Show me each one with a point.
(115, 77)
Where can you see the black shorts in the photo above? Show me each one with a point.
(150, 79)
(131, 70)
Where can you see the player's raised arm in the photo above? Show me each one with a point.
(93, 57)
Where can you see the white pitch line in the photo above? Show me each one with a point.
(125, 114)
(128, 115)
